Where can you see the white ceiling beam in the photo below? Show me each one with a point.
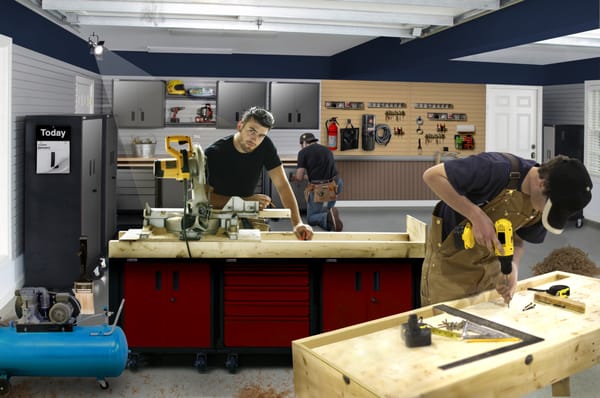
(180, 8)
(266, 26)
(464, 4)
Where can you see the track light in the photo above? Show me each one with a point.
(96, 46)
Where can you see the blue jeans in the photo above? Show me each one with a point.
(316, 213)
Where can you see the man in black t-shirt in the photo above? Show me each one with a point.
(234, 165)
(316, 163)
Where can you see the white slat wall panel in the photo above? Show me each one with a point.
(40, 85)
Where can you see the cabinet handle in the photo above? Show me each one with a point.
(142, 116)
(133, 116)
(299, 119)
(289, 117)
(237, 116)
(376, 285)
(175, 280)
(357, 281)
(158, 280)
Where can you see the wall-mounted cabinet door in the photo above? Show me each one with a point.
(139, 104)
(234, 98)
(295, 105)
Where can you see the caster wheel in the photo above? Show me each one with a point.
(4, 387)
(133, 362)
(103, 384)
(232, 362)
(201, 362)
(579, 223)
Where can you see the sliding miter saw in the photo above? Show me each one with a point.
(197, 218)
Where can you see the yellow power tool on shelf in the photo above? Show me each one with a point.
(504, 231)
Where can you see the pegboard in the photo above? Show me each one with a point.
(439, 105)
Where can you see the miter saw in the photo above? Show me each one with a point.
(197, 218)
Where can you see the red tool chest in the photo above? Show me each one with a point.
(265, 305)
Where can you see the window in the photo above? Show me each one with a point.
(592, 127)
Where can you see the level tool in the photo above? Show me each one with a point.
(525, 338)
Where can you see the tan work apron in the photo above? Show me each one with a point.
(450, 272)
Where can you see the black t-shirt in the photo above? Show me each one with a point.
(481, 178)
(232, 173)
(318, 161)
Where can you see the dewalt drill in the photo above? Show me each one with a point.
(464, 238)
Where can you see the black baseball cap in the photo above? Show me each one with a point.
(308, 137)
(569, 190)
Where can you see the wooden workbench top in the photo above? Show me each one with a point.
(372, 360)
(410, 244)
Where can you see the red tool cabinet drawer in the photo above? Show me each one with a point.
(264, 332)
(265, 306)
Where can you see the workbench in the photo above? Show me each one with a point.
(236, 296)
(371, 359)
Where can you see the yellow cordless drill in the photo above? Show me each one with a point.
(504, 231)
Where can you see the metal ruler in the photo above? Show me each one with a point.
(526, 339)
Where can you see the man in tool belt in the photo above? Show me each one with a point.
(481, 189)
(316, 163)
(234, 164)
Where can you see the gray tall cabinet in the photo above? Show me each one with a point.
(70, 184)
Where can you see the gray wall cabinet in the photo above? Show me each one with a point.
(139, 104)
(234, 98)
(295, 105)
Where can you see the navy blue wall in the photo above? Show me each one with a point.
(218, 65)
(30, 30)
(428, 59)
(425, 60)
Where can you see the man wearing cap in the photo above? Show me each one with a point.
(316, 163)
(481, 189)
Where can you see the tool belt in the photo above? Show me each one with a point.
(324, 191)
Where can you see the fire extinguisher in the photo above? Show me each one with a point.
(332, 133)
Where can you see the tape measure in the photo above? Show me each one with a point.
(555, 290)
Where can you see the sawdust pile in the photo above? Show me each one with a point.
(256, 391)
(568, 259)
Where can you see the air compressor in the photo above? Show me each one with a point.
(332, 127)
(46, 340)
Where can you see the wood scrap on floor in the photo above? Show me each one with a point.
(568, 259)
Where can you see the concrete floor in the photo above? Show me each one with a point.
(182, 380)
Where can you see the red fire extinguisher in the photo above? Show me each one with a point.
(332, 133)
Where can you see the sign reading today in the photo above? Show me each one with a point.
(53, 149)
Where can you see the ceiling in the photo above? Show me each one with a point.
(278, 27)
(284, 27)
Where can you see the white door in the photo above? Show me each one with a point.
(514, 120)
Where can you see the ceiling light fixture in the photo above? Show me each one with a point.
(96, 46)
